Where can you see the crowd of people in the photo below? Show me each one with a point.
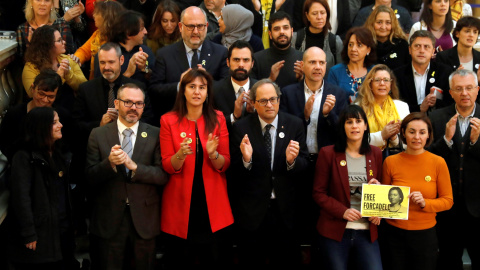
(191, 127)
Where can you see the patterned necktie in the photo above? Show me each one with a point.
(111, 96)
(194, 62)
(244, 107)
(268, 142)
(127, 143)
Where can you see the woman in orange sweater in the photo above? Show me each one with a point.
(104, 15)
(412, 244)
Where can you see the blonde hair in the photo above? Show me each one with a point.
(396, 32)
(365, 98)
(30, 15)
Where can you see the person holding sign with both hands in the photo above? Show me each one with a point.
(412, 244)
(340, 172)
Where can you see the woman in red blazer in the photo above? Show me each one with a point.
(195, 152)
(340, 172)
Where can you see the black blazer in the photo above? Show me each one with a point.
(253, 187)
(463, 159)
(172, 62)
(437, 76)
(293, 101)
(224, 97)
(450, 58)
(109, 189)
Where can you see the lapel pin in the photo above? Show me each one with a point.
(428, 178)
(281, 135)
(189, 140)
(476, 66)
(60, 173)
(432, 80)
(370, 172)
(208, 54)
(183, 134)
(343, 163)
(203, 62)
(144, 134)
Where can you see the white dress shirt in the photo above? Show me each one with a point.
(420, 83)
(312, 143)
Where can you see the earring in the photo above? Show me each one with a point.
(368, 53)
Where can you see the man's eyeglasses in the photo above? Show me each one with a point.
(469, 88)
(42, 95)
(191, 27)
(128, 103)
(264, 102)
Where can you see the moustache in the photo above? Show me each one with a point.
(107, 70)
(132, 112)
(240, 69)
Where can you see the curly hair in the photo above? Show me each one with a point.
(365, 98)
(364, 37)
(40, 49)
(156, 30)
(109, 10)
(396, 32)
(30, 15)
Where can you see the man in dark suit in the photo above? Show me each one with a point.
(231, 93)
(318, 104)
(423, 84)
(174, 60)
(268, 152)
(124, 172)
(456, 129)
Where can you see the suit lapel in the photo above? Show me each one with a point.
(476, 60)
(281, 142)
(453, 58)
(229, 94)
(140, 141)
(300, 96)
(257, 137)
(340, 159)
(113, 139)
(182, 55)
(411, 90)
(205, 55)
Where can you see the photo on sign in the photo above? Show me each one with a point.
(385, 201)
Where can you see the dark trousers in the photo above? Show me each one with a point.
(124, 247)
(206, 251)
(457, 230)
(272, 243)
(412, 250)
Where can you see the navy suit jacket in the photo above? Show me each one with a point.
(450, 58)
(253, 187)
(437, 76)
(172, 62)
(293, 101)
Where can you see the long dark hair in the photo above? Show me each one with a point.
(352, 111)
(180, 106)
(156, 30)
(365, 37)
(39, 51)
(109, 10)
(38, 130)
(427, 17)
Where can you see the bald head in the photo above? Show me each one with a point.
(195, 19)
(314, 65)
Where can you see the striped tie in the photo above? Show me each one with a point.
(127, 143)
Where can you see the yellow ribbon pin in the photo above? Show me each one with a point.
(371, 172)
(433, 73)
(203, 62)
(343, 163)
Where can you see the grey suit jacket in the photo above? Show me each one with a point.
(109, 189)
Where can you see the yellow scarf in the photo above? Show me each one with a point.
(381, 116)
(457, 10)
(266, 8)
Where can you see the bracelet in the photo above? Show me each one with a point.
(216, 157)
(178, 157)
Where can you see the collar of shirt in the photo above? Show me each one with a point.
(190, 50)
(236, 87)
(418, 74)
(263, 123)
(218, 18)
(122, 127)
(310, 92)
(117, 82)
(469, 116)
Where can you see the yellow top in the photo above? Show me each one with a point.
(74, 77)
(89, 50)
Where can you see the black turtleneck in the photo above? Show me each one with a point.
(266, 58)
(313, 39)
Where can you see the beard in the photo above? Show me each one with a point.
(282, 45)
(240, 74)
(131, 119)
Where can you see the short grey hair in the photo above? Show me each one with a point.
(111, 45)
(462, 73)
(253, 90)
(183, 14)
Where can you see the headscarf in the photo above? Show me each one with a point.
(238, 24)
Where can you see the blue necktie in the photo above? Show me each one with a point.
(127, 143)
